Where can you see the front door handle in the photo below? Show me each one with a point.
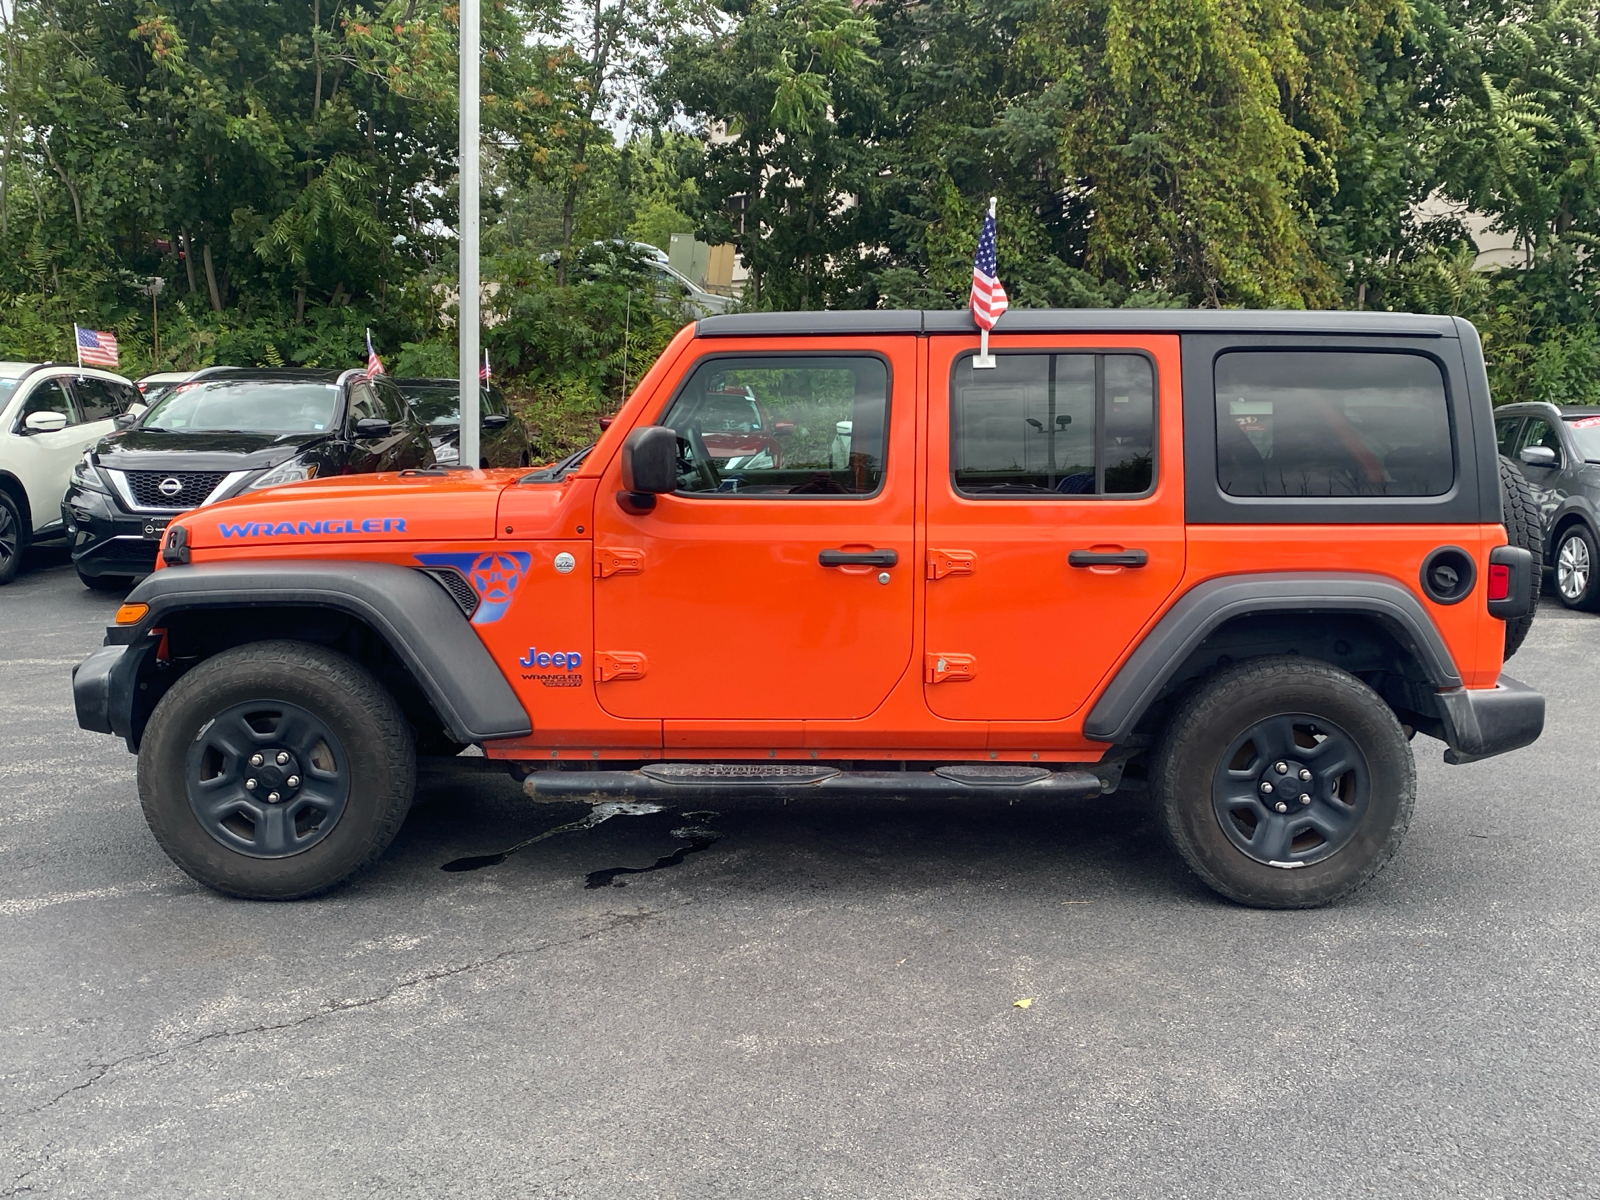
(858, 558)
(1107, 558)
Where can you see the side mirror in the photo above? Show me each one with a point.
(649, 466)
(495, 421)
(783, 428)
(125, 420)
(138, 410)
(45, 422)
(373, 427)
(1538, 456)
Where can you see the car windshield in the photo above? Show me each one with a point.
(249, 405)
(149, 393)
(1586, 432)
(7, 386)
(440, 404)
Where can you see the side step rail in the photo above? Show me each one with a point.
(657, 781)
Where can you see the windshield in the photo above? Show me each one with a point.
(1586, 432)
(440, 404)
(249, 405)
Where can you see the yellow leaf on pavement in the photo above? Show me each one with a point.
(1025, 1002)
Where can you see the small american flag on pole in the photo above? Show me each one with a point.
(374, 363)
(95, 348)
(483, 373)
(988, 296)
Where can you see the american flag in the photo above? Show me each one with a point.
(374, 363)
(96, 349)
(988, 295)
(483, 373)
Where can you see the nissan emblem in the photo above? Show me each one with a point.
(170, 486)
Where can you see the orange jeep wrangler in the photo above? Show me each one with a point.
(1244, 556)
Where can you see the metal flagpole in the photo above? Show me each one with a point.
(77, 345)
(467, 308)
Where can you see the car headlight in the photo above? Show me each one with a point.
(86, 477)
(293, 471)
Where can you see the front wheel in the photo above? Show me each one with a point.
(12, 539)
(276, 770)
(1575, 565)
(1285, 782)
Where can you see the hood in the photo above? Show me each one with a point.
(160, 450)
(409, 507)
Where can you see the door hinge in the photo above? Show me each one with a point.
(950, 668)
(618, 664)
(617, 560)
(951, 562)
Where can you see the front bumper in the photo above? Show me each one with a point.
(106, 690)
(107, 541)
(1482, 722)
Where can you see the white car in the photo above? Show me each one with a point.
(49, 415)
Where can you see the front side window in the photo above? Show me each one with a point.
(1332, 423)
(1053, 425)
(47, 396)
(782, 425)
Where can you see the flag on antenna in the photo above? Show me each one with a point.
(95, 348)
(483, 373)
(374, 363)
(988, 296)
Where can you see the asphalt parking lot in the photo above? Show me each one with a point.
(819, 1002)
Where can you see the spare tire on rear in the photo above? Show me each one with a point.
(1523, 528)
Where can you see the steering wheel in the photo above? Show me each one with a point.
(702, 460)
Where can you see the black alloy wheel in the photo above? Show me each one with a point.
(1284, 782)
(267, 778)
(276, 770)
(11, 539)
(1575, 566)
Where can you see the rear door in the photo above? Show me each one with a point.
(46, 467)
(760, 590)
(1055, 517)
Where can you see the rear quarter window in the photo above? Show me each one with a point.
(1330, 423)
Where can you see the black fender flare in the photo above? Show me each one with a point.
(408, 609)
(1578, 506)
(1209, 605)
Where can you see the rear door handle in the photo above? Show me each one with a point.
(1107, 558)
(858, 558)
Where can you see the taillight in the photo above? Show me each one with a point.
(1499, 581)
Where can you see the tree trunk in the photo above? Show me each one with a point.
(188, 259)
(211, 278)
(72, 188)
(11, 129)
(316, 53)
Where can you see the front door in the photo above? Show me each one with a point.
(1055, 517)
(776, 583)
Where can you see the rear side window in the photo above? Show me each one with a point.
(1332, 423)
(790, 425)
(1056, 425)
(100, 399)
(1505, 435)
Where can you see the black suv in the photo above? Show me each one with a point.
(1558, 451)
(503, 439)
(228, 430)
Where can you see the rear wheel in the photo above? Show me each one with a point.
(1284, 782)
(12, 539)
(1523, 528)
(276, 770)
(1575, 565)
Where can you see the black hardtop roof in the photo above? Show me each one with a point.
(1080, 320)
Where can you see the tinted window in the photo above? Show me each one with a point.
(1586, 432)
(363, 402)
(1053, 424)
(256, 406)
(1331, 423)
(440, 404)
(1505, 433)
(391, 407)
(782, 426)
(47, 396)
(100, 399)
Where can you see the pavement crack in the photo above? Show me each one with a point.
(98, 1071)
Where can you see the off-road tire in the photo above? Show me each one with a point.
(105, 583)
(376, 741)
(1587, 600)
(1523, 528)
(1209, 720)
(13, 539)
